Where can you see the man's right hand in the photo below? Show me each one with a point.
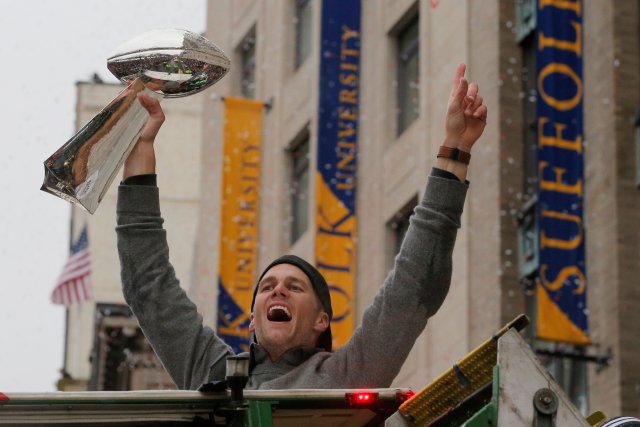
(466, 113)
(465, 121)
(142, 159)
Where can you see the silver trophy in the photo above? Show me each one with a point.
(163, 63)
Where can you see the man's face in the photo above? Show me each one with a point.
(287, 313)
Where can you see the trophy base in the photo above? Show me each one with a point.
(58, 187)
(82, 170)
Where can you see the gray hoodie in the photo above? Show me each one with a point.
(193, 354)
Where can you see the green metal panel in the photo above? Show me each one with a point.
(260, 413)
(482, 418)
(488, 415)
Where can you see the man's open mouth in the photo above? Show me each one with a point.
(278, 313)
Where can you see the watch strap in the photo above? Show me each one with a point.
(454, 154)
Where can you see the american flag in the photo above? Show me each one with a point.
(73, 283)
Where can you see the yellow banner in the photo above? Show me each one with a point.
(336, 163)
(336, 258)
(239, 219)
(553, 324)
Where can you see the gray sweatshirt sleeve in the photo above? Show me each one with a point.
(190, 352)
(412, 292)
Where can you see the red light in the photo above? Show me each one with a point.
(362, 398)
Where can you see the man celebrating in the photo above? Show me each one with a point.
(291, 310)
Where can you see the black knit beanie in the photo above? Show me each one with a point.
(319, 286)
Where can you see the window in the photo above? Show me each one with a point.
(303, 31)
(122, 359)
(248, 65)
(299, 188)
(526, 16)
(408, 78)
(527, 220)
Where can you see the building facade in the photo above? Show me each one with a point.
(409, 50)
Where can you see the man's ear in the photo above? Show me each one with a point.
(252, 326)
(322, 322)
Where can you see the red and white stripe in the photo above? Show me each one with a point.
(73, 285)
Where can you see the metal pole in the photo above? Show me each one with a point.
(66, 309)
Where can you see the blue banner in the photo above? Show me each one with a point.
(339, 93)
(561, 290)
(233, 321)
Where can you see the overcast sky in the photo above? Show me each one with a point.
(46, 47)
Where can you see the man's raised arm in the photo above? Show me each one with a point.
(189, 351)
(419, 282)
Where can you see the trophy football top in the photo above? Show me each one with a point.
(173, 62)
